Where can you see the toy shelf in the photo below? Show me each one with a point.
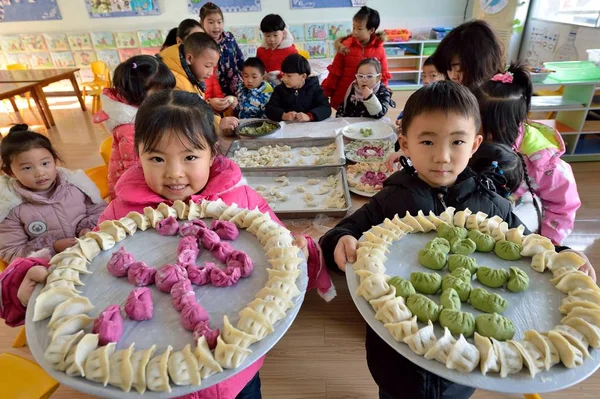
(405, 60)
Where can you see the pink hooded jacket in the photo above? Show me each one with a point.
(30, 221)
(119, 118)
(552, 179)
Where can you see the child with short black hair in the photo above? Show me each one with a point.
(300, 97)
(277, 44)
(253, 92)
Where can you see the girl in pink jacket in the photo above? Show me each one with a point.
(133, 80)
(504, 103)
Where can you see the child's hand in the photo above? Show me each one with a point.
(219, 104)
(302, 117)
(64, 243)
(587, 268)
(288, 116)
(366, 92)
(83, 232)
(233, 101)
(37, 274)
(301, 243)
(391, 160)
(345, 251)
(228, 124)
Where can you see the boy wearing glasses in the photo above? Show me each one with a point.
(366, 96)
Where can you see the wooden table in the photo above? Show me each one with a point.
(10, 90)
(42, 78)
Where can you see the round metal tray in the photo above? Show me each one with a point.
(256, 123)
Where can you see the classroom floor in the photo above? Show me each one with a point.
(322, 355)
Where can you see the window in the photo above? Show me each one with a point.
(574, 12)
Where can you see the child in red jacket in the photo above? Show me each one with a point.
(364, 43)
(278, 43)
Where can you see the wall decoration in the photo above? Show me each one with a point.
(34, 42)
(17, 58)
(63, 59)
(127, 53)
(338, 29)
(56, 41)
(80, 41)
(248, 50)
(103, 40)
(150, 38)
(315, 32)
(84, 58)
(121, 8)
(127, 40)
(109, 57)
(244, 34)
(12, 43)
(323, 3)
(28, 10)
(150, 50)
(331, 49)
(316, 49)
(40, 60)
(226, 5)
(297, 31)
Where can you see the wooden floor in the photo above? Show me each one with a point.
(322, 355)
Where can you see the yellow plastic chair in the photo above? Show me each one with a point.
(21, 339)
(20, 67)
(94, 88)
(3, 265)
(106, 149)
(99, 175)
(304, 54)
(21, 378)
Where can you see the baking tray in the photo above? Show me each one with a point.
(338, 157)
(296, 207)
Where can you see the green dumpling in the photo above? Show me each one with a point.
(494, 326)
(486, 301)
(456, 232)
(462, 274)
(426, 283)
(403, 287)
(439, 244)
(493, 278)
(432, 259)
(455, 261)
(462, 246)
(450, 299)
(518, 280)
(424, 308)
(462, 287)
(508, 250)
(458, 322)
(483, 242)
(443, 229)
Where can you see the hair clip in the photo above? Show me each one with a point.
(134, 65)
(497, 168)
(506, 77)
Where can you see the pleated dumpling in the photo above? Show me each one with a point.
(474, 220)
(47, 301)
(374, 265)
(489, 361)
(166, 210)
(230, 212)
(533, 358)
(442, 347)
(139, 361)
(545, 346)
(233, 336)
(425, 223)
(157, 376)
(104, 240)
(181, 209)
(183, 367)
(97, 364)
(463, 357)
(434, 219)
(89, 247)
(270, 310)
(515, 235)
(286, 264)
(590, 315)
(140, 220)
(499, 233)
(393, 311)
(403, 329)
(153, 215)
(206, 362)
(61, 284)
(540, 260)
(412, 222)
(127, 224)
(69, 325)
(403, 226)
(511, 361)
(116, 231)
(573, 281)
(230, 356)
(78, 354)
(279, 241)
(286, 285)
(71, 262)
(378, 303)
(574, 337)
(194, 211)
(564, 259)
(589, 331)
(64, 274)
(254, 323)
(488, 225)
(460, 218)
(448, 215)
(536, 245)
(583, 299)
(58, 349)
(373, 287)
(421, 341)
(214, 209)
(391, 226)
(276, 296)
(121, 369)
(570, 356)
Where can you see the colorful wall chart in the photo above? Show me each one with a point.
(28, 10)
(226, 5)
(121, 8)
(323, 3)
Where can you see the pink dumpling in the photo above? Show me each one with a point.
(188, 243)
(191, 315)
(119, 262)
(240, 260)
(181, 287)
(200, 275)
(203, 329)
(225, 229)
(139, 304)
(168, 226)
(140, 274)
(180, 301)
(168, 275)
(191, 228)
(221, 251)
(109, 325)
(209, 239)
(225, 278)
(187, 257)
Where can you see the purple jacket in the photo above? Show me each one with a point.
(30, 221)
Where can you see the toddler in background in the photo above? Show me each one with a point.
(277, 44)
(253, 92)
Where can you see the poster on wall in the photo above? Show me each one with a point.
(315, 32)
(127, 53)
(150, 38)
(103, 41)
(338, 30)
(303, 4)
(63, 59)
(34, 42)
(121, 8)
(17, 58)
(56, 41)
(226, 5)
(297, 32)
(11, 44)
(40, 60)
(316, 49)
(150, 50)
(248, 50)
(127, 39)
(84, 58)
(28, 10)
(80, 41)
(109, 57)
(244, 34)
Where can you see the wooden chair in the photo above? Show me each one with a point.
(304, 54)
(21, 67)
(21, 378)
(94, 88)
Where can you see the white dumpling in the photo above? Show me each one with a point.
(570, 356)
(61, 284)
(448, 215)
(561, 273)
(371, 252)
(47, 301)
(140, 220)
(64, 274)
(533, 359)
(499, 232)
(250, 216)
(388, 224)
(373, 287)
(127, 224)
(121, 369)
(488, 225)
(153, 215)
(386, 234)
(279, 241)
(194, 211)
(78, 354)
(403, 329)
(277, 296)
(97, 364)
(590, 315)
(214, 209)
(568, 305)
(403, 226)
(536, 245)
(425, 223)
(421, 341)
(287, 264)
(231, 211)
(58, 349)
(110, 227)
(545, 346)
(564, 259)
(104, 240)
(489, 361)
(254, 323)
(270, 310)
(460, 218)
(434, 219)
(282, 253)
(511, 361)
(75, 251)
(238, 219)
(588, 330)
(412, 222)
(166, 210)
(574, 337)
(256, 223)
(89, 247)
(539, 260)
(284, 274)
(287, 286)
(72, 306)
(516, 235)
(268, 229)
(463, 357)
(139, 362)
(372, 238)
(206, 362)
(582, 294)
(573, 281)
(233, 336)
(230, 356)
(180, 208)
(442, 347)
(378, 303)
(393, 311)
(74, 263)
(474, 220)
(183, 367)
(369, 264)
(69, 325)
(157, 376)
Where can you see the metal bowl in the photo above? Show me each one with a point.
(256, 123)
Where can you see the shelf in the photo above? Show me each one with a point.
(554, 103)
(562, 128)
(403, 85)
(588, 145)
(412, 42)
(403, 70)
(591, 127)
(405, 57)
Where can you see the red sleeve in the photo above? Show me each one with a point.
(385, 73)
(213, 88)
(335, 72)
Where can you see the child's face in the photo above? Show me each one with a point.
(252, 77)
(454, 73)
(175, 170)
(367, 76)
(203, 65)
(293, 80)
(430, 74)
(274, 39)
(360, 31)
(34, 169)
(440, 146)
(213, 25)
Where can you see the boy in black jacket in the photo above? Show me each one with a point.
(299, 98)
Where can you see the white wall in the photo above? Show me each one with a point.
(395, 14)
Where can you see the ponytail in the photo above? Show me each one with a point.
(528, 182)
